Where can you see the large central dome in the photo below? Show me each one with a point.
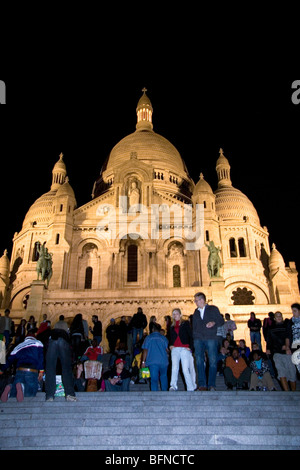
(149, 147)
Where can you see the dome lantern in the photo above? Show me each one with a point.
(144, 112)
(223, 170)
(59, 173)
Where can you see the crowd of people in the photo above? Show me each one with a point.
(203, 345)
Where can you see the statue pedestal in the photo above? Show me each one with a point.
(35, 301)
(218, 292)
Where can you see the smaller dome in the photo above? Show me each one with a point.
(276, 261)
(202, 186)
(41, 210)
(65, 189)
(232, 204)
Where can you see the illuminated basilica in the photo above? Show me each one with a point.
(107, 260)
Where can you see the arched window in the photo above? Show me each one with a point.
(232, 248)
(242, 247)
(176, 276)
(35, 254)
(88, 278)
(132, 263)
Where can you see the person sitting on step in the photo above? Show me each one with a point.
(117, 379)
(236, 371)
(260, 373)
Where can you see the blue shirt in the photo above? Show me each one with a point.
(156, 345)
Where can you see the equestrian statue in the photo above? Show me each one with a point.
(44, 263)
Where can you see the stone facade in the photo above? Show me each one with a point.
(130, 245)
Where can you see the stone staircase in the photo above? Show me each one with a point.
(161, 421)
(144, 420)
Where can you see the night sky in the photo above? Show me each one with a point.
(84, 112)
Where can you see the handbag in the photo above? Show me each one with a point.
(144, 373)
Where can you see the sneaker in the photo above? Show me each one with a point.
(172, 389)
(71, 398)
(20, 392)
(50, 399)
(212, 389)
(6, 393)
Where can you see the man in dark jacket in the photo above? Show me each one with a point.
(112, 334)
(205, 322)
(97, 329)
(138, 324)
(59, 347)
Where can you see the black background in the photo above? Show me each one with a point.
(73, 84)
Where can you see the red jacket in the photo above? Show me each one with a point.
(93, 353)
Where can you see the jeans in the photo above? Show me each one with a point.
(211, 346)
(124, 387)
(185, 356)
(135, 332)
(98, 339)
(29, 380)
(158, 371)
(59, 349)
(255, 337)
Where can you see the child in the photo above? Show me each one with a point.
(260, 373)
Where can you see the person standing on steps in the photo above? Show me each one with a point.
(181, 347)
(205, 323)
(97, 329)
(59, 347)
(293, 339)
(155, 357)
(254, 325)
(276, 347)
(138, 324)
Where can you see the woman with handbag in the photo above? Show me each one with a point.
(181, 346)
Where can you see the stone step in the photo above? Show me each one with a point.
(131, 440)
(89, 420)
(228, 397)
(114, 429)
